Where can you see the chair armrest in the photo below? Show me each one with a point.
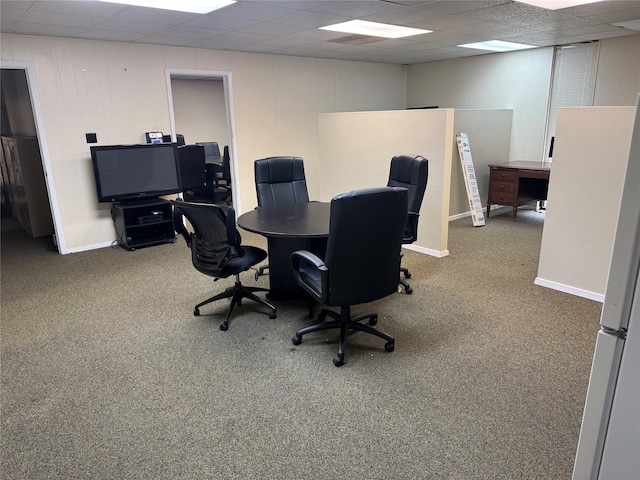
(311, 273)
(411, 230)
(178, 224)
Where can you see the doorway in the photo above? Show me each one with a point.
(201, 109)
(28, 191)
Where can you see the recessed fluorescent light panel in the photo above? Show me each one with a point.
(497, 46)
(629, 24)
(362, 27)
(191, 6)
(557, 4)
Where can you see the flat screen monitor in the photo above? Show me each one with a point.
(135, 172)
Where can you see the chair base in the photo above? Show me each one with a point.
(345, 322)
(407, 288)
(237, 293)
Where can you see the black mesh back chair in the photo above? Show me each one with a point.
(216, 251)
(279, 181)
(365, 236)
(410, 172)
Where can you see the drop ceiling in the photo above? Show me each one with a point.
(290, 27)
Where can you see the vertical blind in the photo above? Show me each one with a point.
(573, 84)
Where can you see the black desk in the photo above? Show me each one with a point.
(300, 226)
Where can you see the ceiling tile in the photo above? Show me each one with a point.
(131, 25)
(291, 26)
(50, 30)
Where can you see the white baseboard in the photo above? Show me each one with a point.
(494, 208)
(85, 248)
(427, 251)
(569, 289)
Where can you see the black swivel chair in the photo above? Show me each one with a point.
(222, 179)
(410, 172)
(365, 236)
(216, 251)
(211, 149)
(279, 181)
(192, 172)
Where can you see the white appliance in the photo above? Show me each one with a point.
(609, 443)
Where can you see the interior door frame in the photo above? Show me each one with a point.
(225, 76)
(44, 147)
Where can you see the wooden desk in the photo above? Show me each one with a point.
(299, 226)
(515, 183)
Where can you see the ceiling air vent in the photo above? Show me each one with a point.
(357, 39)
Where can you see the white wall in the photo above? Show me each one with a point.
(356, 151)
(618, 78)
(119, 91)
(590, 156)
(489, 133)
(521, 81)
(199, 111)
(516, 80)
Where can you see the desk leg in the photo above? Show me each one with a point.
(282, 284)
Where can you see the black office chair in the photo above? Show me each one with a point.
(192, 173)
(410, 172)
(365, 236)
(279, 181)
(222, 179)
(216, 251)
(211, 149)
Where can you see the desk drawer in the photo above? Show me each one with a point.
(503, 175)
(502, 187)
(501, 198)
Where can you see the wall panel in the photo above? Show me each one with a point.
(122, 93)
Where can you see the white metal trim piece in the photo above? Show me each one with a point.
(469, 174)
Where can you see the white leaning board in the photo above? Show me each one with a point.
(475, 206)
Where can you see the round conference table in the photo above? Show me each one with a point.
(298, 226)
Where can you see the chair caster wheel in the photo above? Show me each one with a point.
(273, 315)
(337, 361)
(389, 346)
(296, 340)
(196, 312)
(257, 276)
(224, 326)
(407, 275)
(373, 320)
(409, 290)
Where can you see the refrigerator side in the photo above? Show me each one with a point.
(614, 322)
(620, 457)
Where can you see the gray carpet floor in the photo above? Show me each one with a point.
(107, 374)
